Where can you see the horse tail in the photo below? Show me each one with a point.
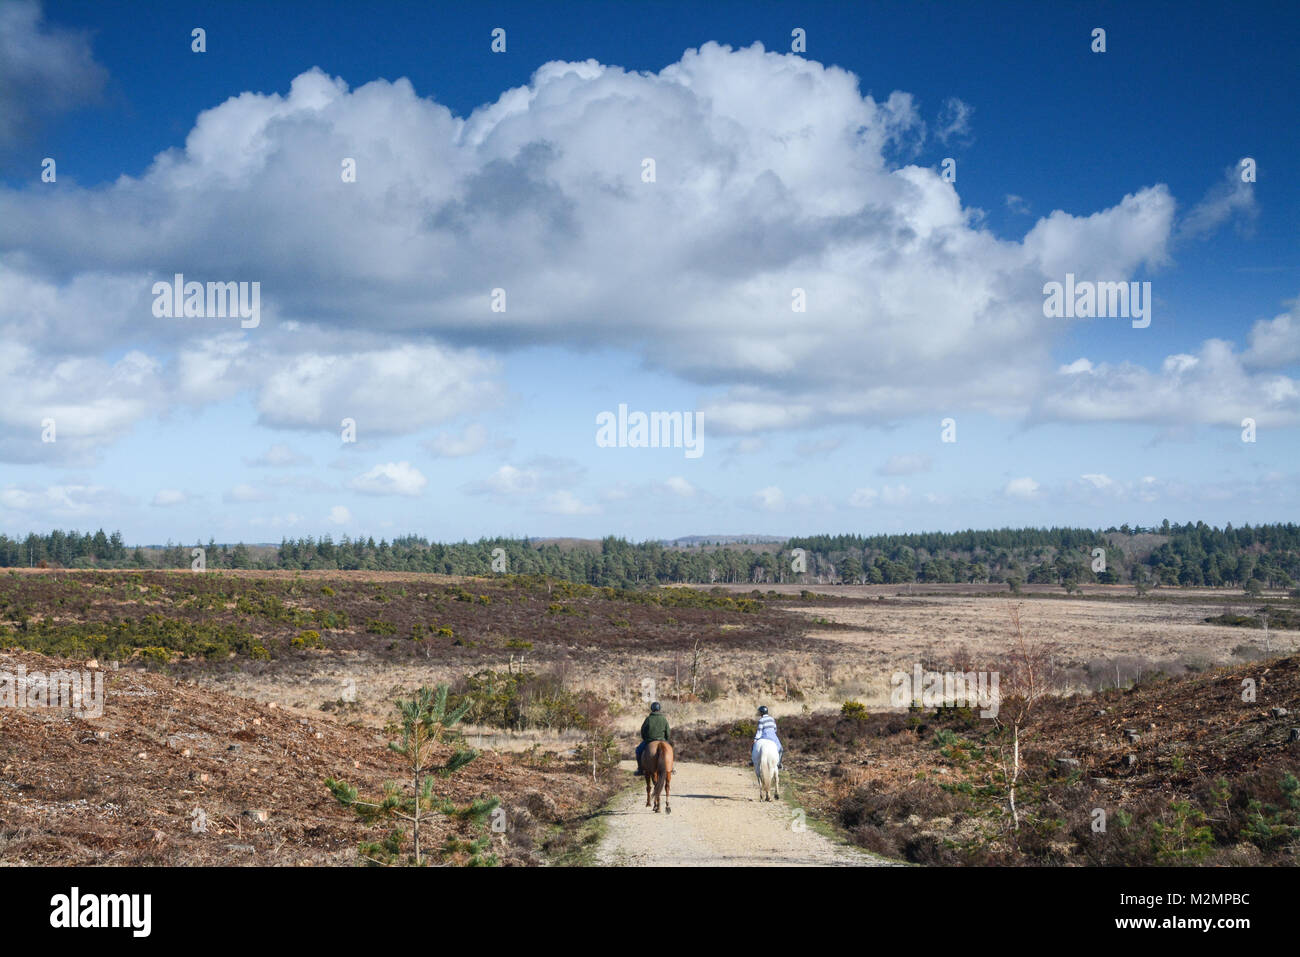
(766, 765)
(663, 767)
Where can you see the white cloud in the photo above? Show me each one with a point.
(1275, 342)
(167, 497)
(1212, 387)
(864, 498)
(1230, 198)
(770, 499)
(539, 193)
(893, 495)
(1023, 488)
(340, 515)
(679, 486)
(390, 478)
(92, 402)
(386, 391)
(376, 293)
(954, 120)
(60, 502)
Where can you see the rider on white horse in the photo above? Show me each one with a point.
(767, 730)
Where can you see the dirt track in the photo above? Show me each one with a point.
(716, 821)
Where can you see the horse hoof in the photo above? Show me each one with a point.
(668, 810)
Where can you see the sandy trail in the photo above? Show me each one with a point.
(717, 820)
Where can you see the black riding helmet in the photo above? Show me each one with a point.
(762, 709)
(655, 706)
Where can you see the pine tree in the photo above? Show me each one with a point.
(424, 723)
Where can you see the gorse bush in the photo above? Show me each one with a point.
(518, 701)
(123, 638)
(854, 709)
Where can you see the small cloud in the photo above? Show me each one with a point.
(864, 498)
(679, 487)
(1228, 199)
(1098, 480)
(954, 120)
(1275, 342)
(167, 497)
(339, 515)
(1023, 488)
(390, 478)
(1016, 204)
(895, 494)
(62, 501)
(1077, 367)
(770, 499)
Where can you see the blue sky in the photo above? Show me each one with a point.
(478, 170)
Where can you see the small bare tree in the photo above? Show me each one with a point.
(1027, 674)
(695, 666)
(596, 719)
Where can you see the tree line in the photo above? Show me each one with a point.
(1169, 554)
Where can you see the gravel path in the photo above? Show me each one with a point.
(717, 820)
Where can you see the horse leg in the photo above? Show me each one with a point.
(647, 789)
(668, 778)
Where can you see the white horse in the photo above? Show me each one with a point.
(765, 758)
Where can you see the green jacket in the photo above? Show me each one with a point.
(655, 728)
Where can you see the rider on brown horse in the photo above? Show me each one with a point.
(653, 728)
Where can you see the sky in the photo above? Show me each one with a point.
(825, 234)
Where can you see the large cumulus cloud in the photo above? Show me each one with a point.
(773, 173)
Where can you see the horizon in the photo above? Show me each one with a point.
(691, 539)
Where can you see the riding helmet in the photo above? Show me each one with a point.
(655, 706)
(762, 709)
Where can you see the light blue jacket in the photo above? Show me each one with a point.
(767, 729)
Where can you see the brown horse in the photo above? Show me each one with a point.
(657, 764)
